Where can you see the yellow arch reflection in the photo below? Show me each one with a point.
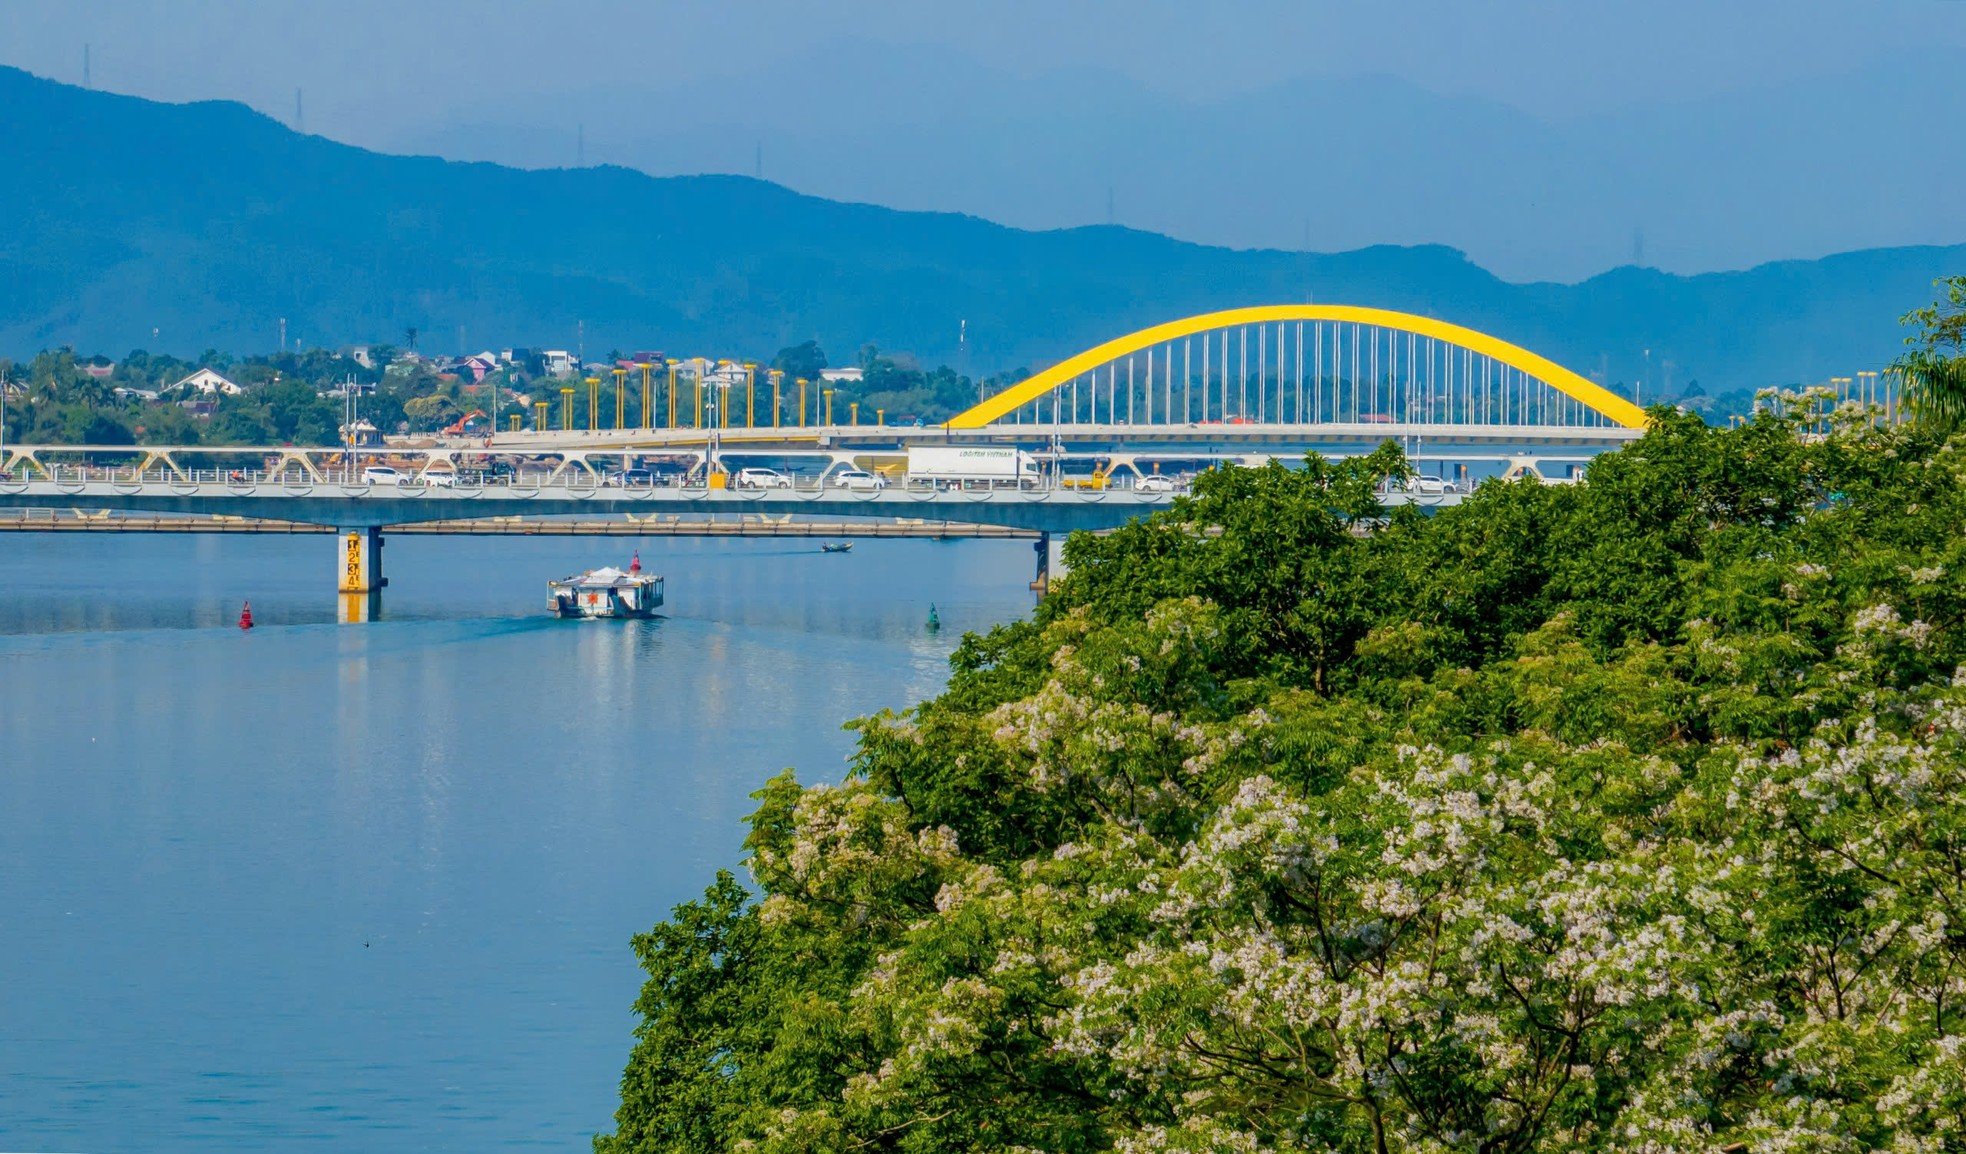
(1587, 392)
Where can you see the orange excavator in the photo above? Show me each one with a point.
(456, 428)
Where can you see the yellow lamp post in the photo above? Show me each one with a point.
(566, 408)
(880, 417)
(671, 363)
(593, 404)
(699, 400)
(802, 402)
(777, 379)
(620, 398)
(827, 395)
(853, 413)
(539, 416)
(750, 396)
(648, 395)
(515, 422)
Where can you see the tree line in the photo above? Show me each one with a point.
(1625, 816)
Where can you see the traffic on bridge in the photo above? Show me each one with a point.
(1094, 441)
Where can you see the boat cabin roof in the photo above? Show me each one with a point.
(606, 577)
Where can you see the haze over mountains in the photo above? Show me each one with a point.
(137, 224)
(1836, 162)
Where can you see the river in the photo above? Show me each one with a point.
(371, 887)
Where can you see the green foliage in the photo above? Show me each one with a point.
(1934, 367)
(804, 360)
(1624, 816)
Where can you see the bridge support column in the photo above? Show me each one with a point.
(1051, 561)
(358, 567)
(358, 574)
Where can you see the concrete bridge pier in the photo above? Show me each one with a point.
(358, 573)
(358, 567)
(1051, 561)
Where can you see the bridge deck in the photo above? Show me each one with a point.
(59, 521)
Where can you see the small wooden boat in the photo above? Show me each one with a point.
(837, 547)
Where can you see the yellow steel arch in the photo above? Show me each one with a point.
(1549, 372)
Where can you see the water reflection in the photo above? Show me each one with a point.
(373, 887)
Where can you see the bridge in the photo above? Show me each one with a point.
(1242, 386)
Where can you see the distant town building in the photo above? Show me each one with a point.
(139, 394)
(208, 382)
(842, 374)
(479, 365)
(558, 362)
(360, 355)
(361, 434)
(101, 371)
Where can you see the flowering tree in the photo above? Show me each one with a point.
(1628, 816)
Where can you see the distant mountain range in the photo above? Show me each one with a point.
(126, 223)
(1841, 160)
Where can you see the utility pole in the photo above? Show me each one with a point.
(283, 335)
(962, 356)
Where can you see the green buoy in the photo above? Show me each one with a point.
(934, 622)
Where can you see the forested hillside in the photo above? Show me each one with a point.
(176, 228)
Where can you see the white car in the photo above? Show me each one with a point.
(1154, 483)
(858, 480)
(1429, 486)
(762, 479)
(382, 475)
(444, 479)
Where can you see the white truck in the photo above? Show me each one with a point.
(973, 466)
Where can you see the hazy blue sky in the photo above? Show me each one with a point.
(883, 99)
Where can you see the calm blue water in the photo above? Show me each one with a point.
(371, 887)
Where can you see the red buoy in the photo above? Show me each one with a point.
(635, 566)
(246, 616)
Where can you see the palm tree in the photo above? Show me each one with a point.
(1934, 368)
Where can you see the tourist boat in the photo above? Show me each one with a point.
(837, 547)
(608, 592)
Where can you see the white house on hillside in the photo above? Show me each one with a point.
(207, 381)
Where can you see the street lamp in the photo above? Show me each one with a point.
(828, 395)
(710, 443)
